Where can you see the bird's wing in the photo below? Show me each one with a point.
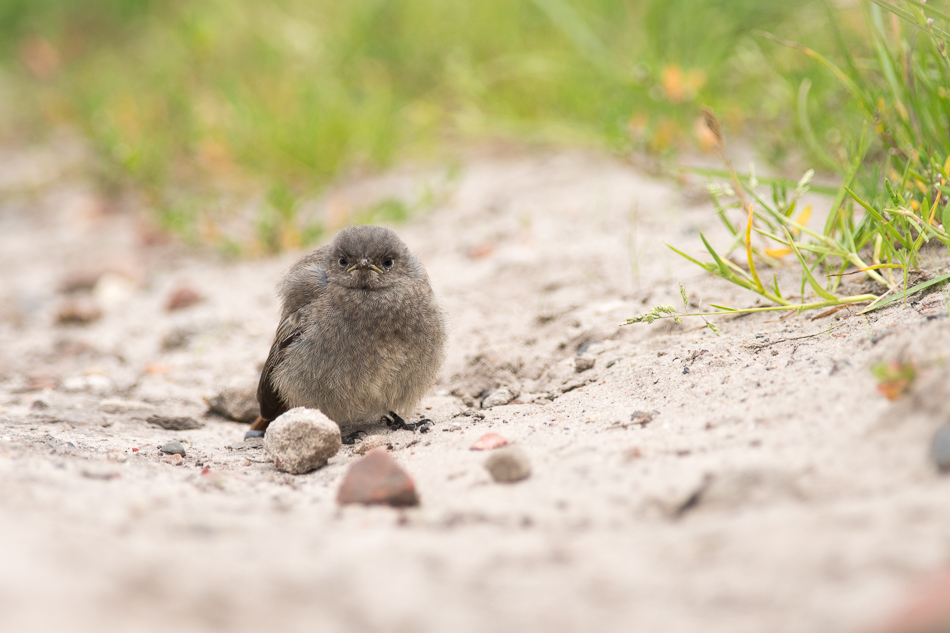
(289, 330)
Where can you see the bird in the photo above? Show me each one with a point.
(361, 336)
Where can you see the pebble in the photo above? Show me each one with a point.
(370, 442)
(174, 424)
(583, 363)
(488, 442)
(498, 397)
(237, 403)
(173, 448)
(377, 479)
(183, 297)
(112, 289)
(302, 440)
(80, 281)
(940, 449)
(81, 310)
(508, 465)
(174, 460)
(177, 338)
(642, 418)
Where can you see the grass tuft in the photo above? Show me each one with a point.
(893, 198)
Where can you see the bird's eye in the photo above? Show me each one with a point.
(343, 262)
(388, 262)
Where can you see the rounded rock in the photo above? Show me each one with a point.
(173, 448)
(237, 402)
(377, 479)
(497, 398)
(508, 465)
(940, 449)
(302, 440)
(583, 363)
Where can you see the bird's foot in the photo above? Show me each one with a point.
(352, 438)
(395, 422)
(252, 434)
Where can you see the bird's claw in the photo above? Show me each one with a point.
(352, 438)
(395, 422)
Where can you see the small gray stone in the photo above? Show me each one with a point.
(173, 448)
(940, 449)
(237, 403)
(177, 338)
(508, 465)
(174, 424)
(583, 363)
(498, 397)
(302, 440)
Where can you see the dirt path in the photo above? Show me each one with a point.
(773, 490)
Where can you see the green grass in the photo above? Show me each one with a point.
(209, 108)
(190, 102)
(894, 167)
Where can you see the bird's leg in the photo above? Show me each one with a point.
(352, 438)
(394, 421)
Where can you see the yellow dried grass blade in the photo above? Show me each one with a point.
(804, 216)
(748, 251)
(933, 210)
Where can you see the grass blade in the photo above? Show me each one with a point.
(824, 294)
(906, 293)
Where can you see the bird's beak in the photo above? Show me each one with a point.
(364, 263)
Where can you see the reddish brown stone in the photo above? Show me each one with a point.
(927, 609)
(377, 478)
(182, 298)
(488, 442)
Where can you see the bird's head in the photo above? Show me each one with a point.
(369, 258)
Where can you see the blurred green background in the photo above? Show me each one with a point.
(188, 101)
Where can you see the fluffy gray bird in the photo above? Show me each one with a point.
(361, 334)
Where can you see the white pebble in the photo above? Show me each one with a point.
(302, 440)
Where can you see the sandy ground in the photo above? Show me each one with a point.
(773, 490)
